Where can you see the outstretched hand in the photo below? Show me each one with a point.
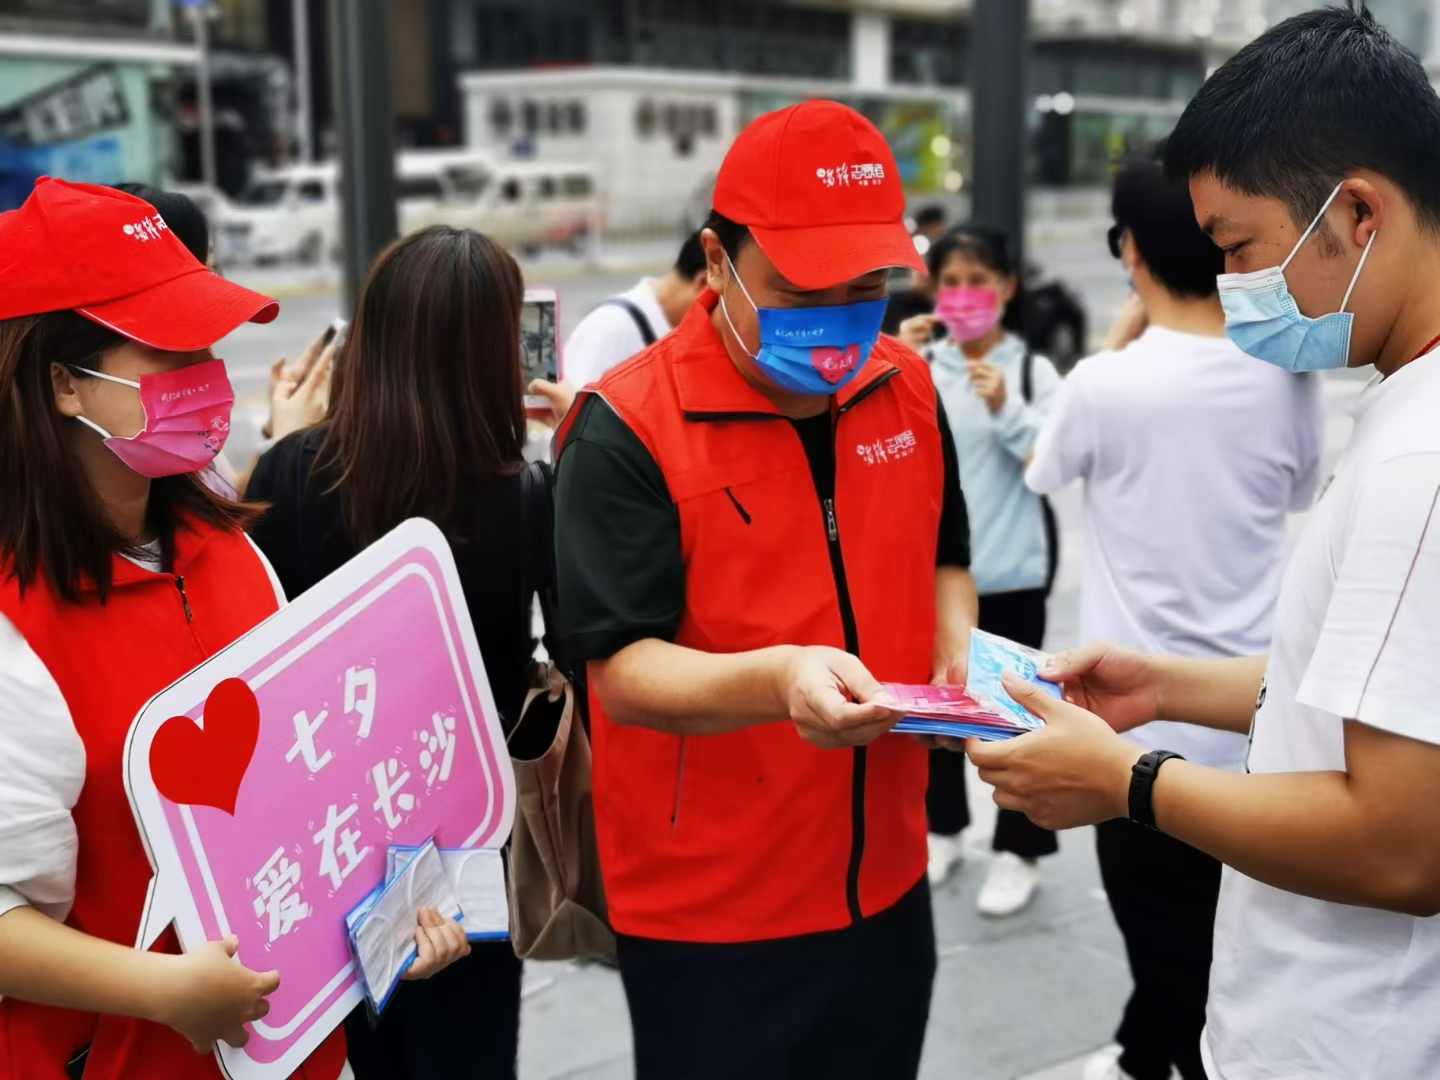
(1074, 771)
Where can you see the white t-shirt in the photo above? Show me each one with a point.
(42, 770)
(1302, 988)
(608, 335)
(1192, 453)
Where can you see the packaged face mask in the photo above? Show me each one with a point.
(991, 656)
(382, 926)
(478, 875)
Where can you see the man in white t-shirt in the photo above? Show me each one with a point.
(623, 325)
(1173, 415)
(1314, 163)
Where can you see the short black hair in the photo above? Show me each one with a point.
(185, 219)
(731, 233)
(934, 214)
(691, 260)
(1157, 213)
(1308, 102)
(988, 246)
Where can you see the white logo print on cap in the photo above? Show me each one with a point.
(147, 229)
(844, 175)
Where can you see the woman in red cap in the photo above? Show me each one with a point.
(119, 572)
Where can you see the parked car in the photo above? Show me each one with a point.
(293, 213)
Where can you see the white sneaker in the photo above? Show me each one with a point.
(1105, 1065)
(1008, 887)
(945, 856)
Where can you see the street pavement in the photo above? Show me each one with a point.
(1026, 997)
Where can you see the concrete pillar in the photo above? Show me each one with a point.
(870, 50)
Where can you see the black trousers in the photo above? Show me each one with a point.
(1019, 616)
(462, 1023)
(844, 1004)
(1163, 894)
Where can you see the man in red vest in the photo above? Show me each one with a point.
(760, 520)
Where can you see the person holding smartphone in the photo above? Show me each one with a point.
(427, 420)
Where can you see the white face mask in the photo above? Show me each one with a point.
(1262, 318)
(384, 936)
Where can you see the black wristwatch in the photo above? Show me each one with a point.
(1142, 786)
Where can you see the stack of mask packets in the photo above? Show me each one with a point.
(465, 884)
(981, 709)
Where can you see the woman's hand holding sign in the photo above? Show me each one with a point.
(210, 996)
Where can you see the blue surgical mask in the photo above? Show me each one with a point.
(1262, 318)
(812, 350)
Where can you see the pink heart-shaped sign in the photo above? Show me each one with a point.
(834, 364)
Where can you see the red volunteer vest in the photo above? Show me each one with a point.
(108, 660)
(757, 834)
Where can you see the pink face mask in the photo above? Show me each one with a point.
(967, 312)
(187, 419)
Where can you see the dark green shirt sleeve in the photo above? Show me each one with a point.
(953, 547)
(619, 564)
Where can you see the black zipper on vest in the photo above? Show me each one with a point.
(859, 756)
(185, 600)
(860, 759)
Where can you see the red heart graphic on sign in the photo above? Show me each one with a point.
(197, 766)
(834, 364)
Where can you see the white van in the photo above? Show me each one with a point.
(293, 213)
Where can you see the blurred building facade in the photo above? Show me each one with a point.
(85, 91)
(650, 90)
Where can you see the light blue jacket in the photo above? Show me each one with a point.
(1007, 526)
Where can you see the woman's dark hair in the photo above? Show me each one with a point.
(51, 519)
(989, 247)
(186, 220)
(426, 399)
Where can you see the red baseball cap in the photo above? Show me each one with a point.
(111, 258)
(818, 187)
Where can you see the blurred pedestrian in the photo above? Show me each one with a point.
(120, 571)
(997, 394)
(1313, 157)
(1174, 408)
(427, 420)
(625, 325)
(757, 513)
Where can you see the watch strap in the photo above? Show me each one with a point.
(1142, 786)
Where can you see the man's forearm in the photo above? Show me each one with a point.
(655, 684)
(1304, 833)
(1218, 694)
(957, 611)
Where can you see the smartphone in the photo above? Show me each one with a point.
(336, 332)
(539, 345)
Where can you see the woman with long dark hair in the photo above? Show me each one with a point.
(427, 419)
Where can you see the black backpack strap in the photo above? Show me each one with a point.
(1027, 377)
(647, 334)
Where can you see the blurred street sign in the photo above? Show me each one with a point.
(84, 104)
